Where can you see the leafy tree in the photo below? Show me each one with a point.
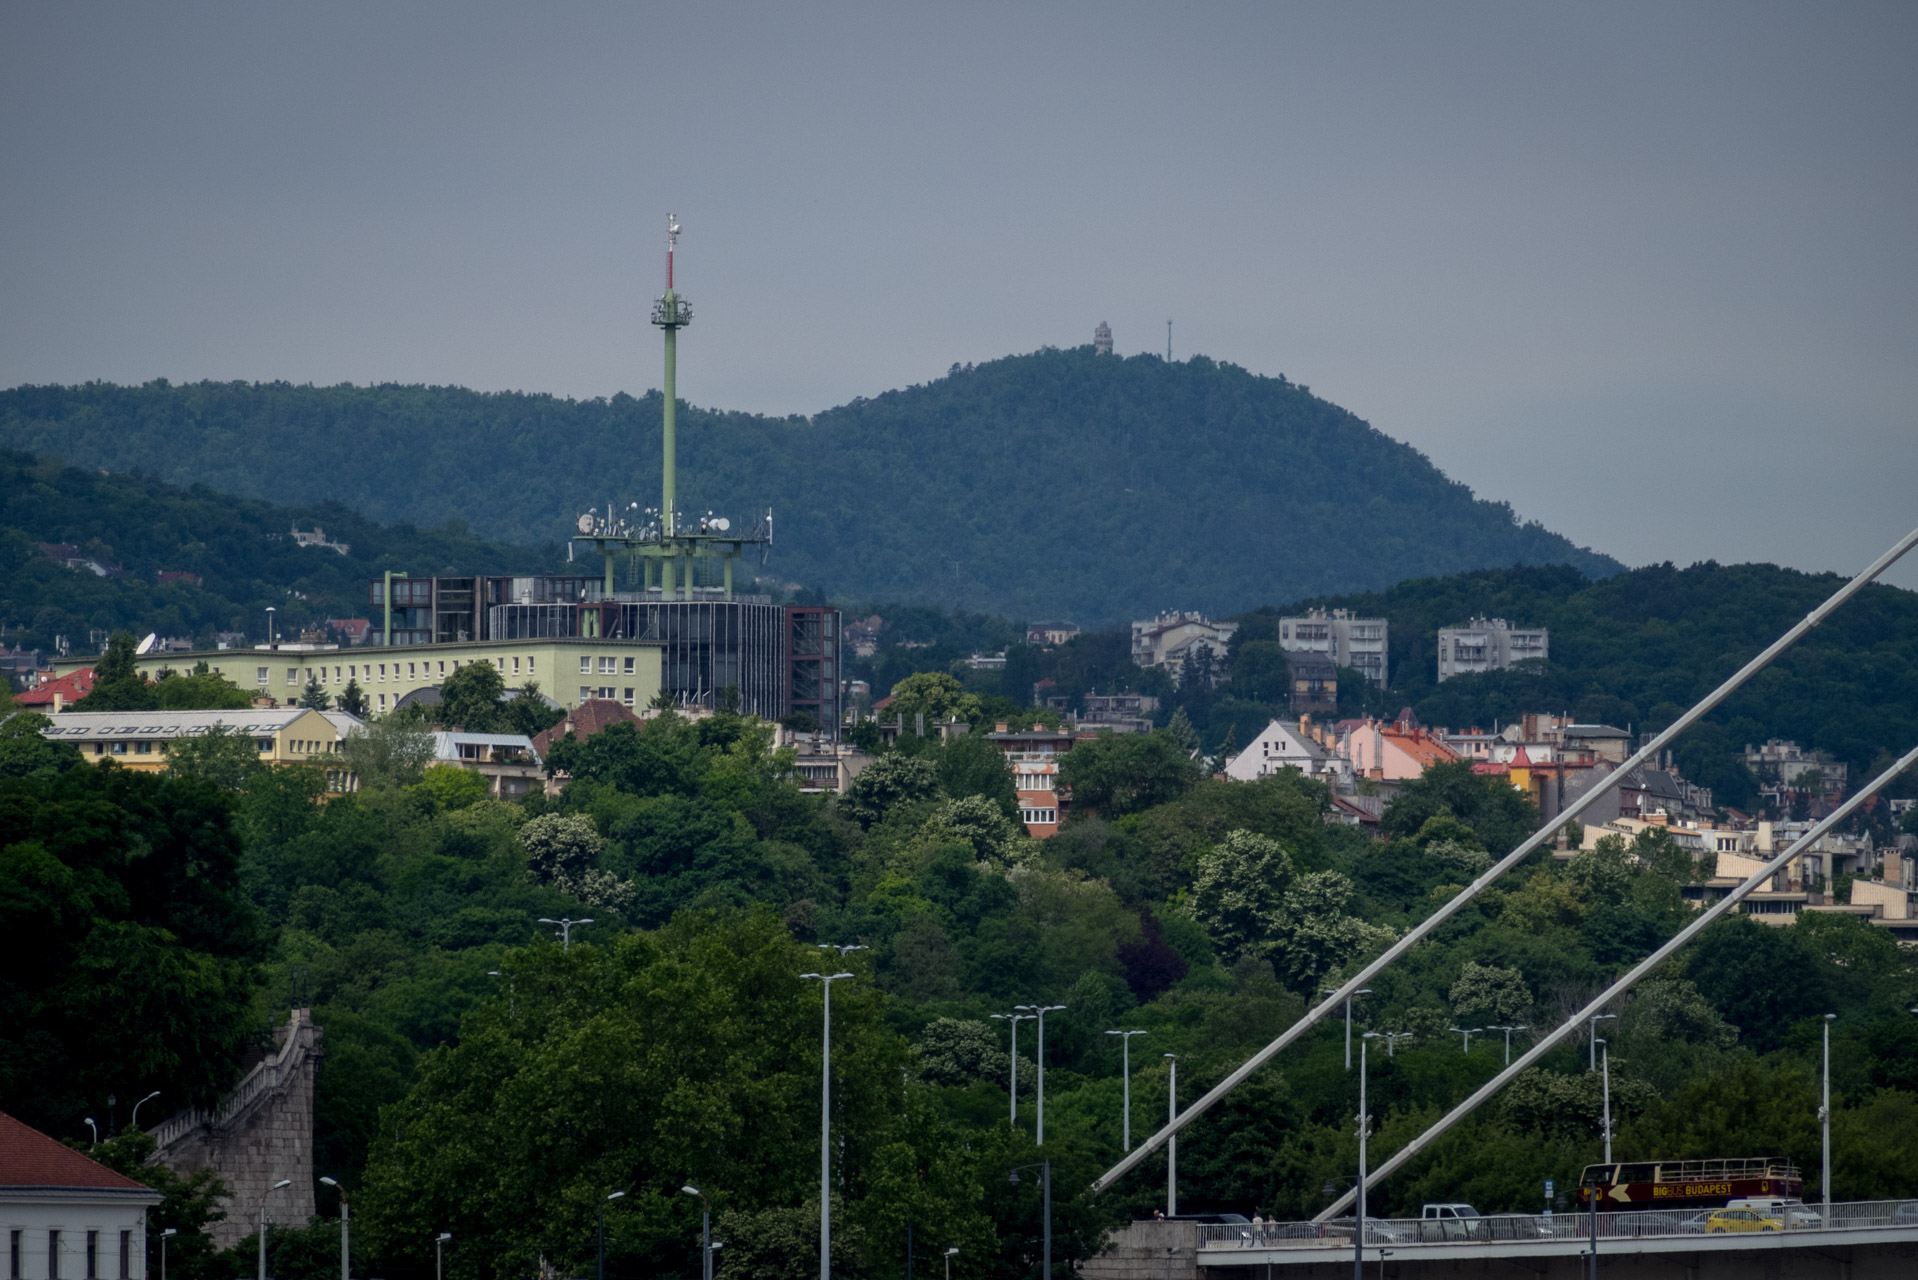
(953, 1051)
(221, 756)
(1490, 992)
(470, 699)
(117, 682)
(24, 752)
(1500, 815)
(1239, 893)
(888, 782)
(935, 695)
(1315, 934)
(970, 765)
(390, 754)
(1120, 773)
(1179, 730)
(452, 787)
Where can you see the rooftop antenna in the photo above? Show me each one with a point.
(1168, 342)
(670, 312)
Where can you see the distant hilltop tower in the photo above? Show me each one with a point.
(1102, 339)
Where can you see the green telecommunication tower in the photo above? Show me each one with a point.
(663, 535)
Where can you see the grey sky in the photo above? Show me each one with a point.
(1645, 272)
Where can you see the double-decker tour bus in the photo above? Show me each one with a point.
(1679, 1184)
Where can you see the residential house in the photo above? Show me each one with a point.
(1343, 637)
(508, 761)
(1050, 634)
(317, 538)
(1281, 746)
(1312, 684)
(1116, 713)
(1032, 755)
(822, 765)
(1170, 638)
(64, 1214)
(1488, 644)
(57, 693)
(68, 556)
(1391, 752)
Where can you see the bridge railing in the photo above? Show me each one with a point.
(1570, 1225)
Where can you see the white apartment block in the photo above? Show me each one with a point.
(1168, 638)
(1488, 644)
(1349, 641)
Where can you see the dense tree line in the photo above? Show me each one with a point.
(480, 1078)
(1058, 483)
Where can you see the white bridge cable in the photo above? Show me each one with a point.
(1426, 927)
(1577, 1021)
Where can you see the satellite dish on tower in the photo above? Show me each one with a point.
(722, 524)
(586, 522)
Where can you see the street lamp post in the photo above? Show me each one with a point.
(1824, 1125)
(283, 1182)
(705, 1233)
(164, 1236)
(950, 1254)
(825, 1125)
(93, 1127)
(1508, 1038)
(1040, 1011)
(611, 1196)
(345, 1271)
(1596, 1019)
(566, 930)
(1125, 1072)
(134, 1122)
(1358, 1204)
(1172, 1143)
(1013, 1020)
(1392, 1039)
(439, 1256)
(272, 633)
(1605, 1067)
(1362, 991)
(1045, 1166)
(113, 1119)
(1468, 1033)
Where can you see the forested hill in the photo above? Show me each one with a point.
(239, 555)
(1057, 483)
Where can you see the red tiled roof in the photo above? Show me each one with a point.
(29, 1158)
(586, 720)
(74, 686)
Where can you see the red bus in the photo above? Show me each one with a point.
(1679, 1184)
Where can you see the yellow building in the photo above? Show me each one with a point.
(140, 739)
(569, 671)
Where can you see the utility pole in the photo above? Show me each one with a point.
(1040, 1011)
(1824, 1125)
(1605, 1065)
(1013, 1020)
(1172, 1143)
(825, 1126)
(1362, 991)
(1125, 1073)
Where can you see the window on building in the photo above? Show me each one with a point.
(53, 1255)
(411, 671)
(119, 748)
(382, 702)
(293, 675)
(607, 666)
(501, 662)
(628, 667)
(126, 1255)
(586, 666)
(93, 1255)
(143, 748)
(585, 694)
(627, 696)
(515, 666)
(529, 665)
(13, 1254)
(264, 744)
(382, 673)
(443, 666)
(260, 674)
(1039, 817)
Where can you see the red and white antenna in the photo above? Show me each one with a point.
(672, 238)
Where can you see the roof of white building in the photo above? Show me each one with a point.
(168, 724)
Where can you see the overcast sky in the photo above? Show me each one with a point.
(1646, 272)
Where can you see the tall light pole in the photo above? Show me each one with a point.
(1362, 991)
(1468, 1033)
(93, 1125)
(1824, 1123)
(1358, 1205)
(610, 1197)
(1125, 1072)
(164, 1236)
(950, 1255)
(825, 1125)
(843, 948)
(1172, 1143)
(1046, 1208)
(272, 634)
(1596, 1019)
(1040, 1011)
(1508, 1038)
(1605, 1068)
(134, 1123)
(439, 1256)
(1392, 1039)
(283, 1182)
(705, 1233)
(1013, 1020)
(566, 930)
(345, 1271)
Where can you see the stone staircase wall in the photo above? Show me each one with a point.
(258, 1134)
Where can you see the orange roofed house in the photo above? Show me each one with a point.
(1391, 752)
(65, 1215)
(1033, 757)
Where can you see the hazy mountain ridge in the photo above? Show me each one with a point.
(1059, 482)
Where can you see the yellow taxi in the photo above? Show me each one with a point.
(1742, 1220)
